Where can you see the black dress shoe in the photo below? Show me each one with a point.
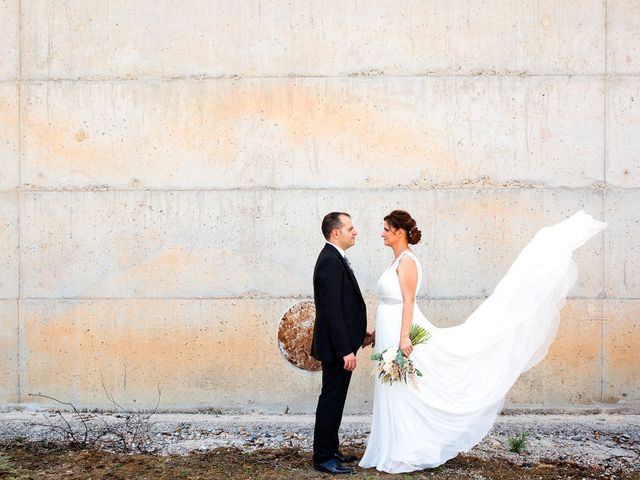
(342, 458)
(333, 467)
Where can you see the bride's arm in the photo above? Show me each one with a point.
(408, 276)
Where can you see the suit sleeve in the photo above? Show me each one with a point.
(330, 276)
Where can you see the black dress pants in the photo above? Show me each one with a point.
(335, 383)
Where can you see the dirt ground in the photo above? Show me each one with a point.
(42, 461)
(34, 444)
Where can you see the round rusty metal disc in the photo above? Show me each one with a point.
(295, 332)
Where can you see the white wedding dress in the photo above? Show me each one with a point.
(468, 369)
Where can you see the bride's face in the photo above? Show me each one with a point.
(390, 235)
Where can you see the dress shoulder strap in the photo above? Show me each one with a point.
(411, 255)
(408, 253)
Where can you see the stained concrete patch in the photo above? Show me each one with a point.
(199, 353)
(9, 258)
(10, 348)
(9, 162)
(623, 37)
(297, 133)
(623, 123)
(570, 374)
(622, 244)
(9, 47)
(186, 244)
(164, 168)
(328, 39)
(621, 367)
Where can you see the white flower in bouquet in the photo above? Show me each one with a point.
(392, 364)
(388, 356)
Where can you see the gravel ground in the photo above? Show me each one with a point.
(605, 440)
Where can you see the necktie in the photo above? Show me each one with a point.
(348, 262)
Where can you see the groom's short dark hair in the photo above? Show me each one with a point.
(331, 221)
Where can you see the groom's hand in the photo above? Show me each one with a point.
(369, 339)
(350, 362)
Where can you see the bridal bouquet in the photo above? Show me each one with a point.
(393, 366)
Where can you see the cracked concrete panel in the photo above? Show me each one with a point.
(158, 244)
(320, 133)
(623, 37)
(224, 354)
(444, 313)
(9, 275)
(200, 353)
(621, 374)
(9, 347)
(277, 38)
(9, 47)
(470, 237)
(9, 128)
(623, 123)
(265, 242)
(109, 244)
(570, 374)
(622, 244)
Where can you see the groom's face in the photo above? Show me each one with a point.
(346, 237)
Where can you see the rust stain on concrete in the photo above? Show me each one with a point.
(295, 333)
(183, 345)
(7, 115)
(9, 366)
(488, 207)
(172, 269)
(577, 344)
(55, 138)
(223, 122)
(306, 113)
(570, 373)
(621, 355)
(8, 137)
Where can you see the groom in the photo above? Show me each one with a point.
(339, 330)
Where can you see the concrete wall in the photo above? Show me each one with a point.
(164, 167)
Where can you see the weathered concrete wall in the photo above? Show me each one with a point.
(164, 168)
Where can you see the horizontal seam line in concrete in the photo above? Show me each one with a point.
(275, 297)
(205, 77)
(322, 189)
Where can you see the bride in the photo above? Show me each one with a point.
(468, 369)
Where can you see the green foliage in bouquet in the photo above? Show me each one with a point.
(418, 334)
(394, 367)
(400, 359)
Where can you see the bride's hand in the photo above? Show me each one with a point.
(406, 346)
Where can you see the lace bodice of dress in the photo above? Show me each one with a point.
(389, 285)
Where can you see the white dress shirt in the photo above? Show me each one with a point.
(342, 252)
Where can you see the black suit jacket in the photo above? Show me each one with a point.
(341, 315)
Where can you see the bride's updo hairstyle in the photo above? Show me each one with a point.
(401, 219)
